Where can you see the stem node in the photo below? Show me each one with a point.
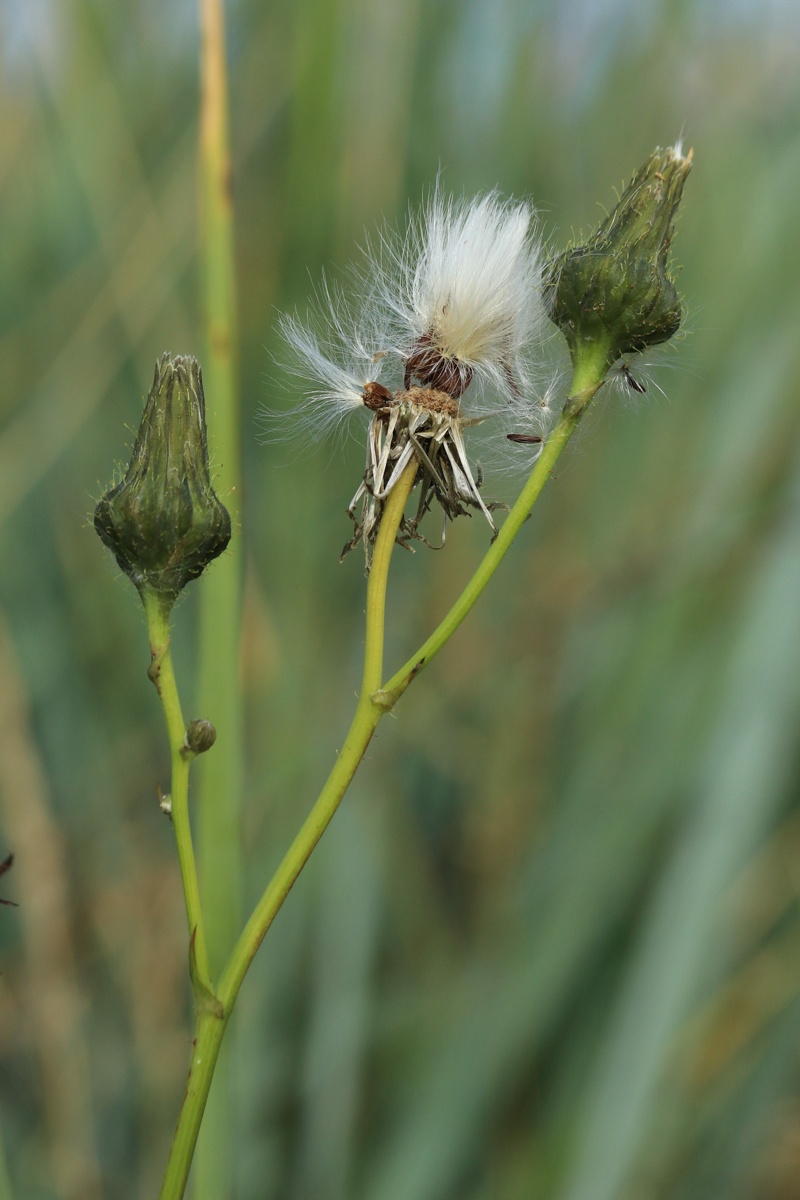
(206, 1001)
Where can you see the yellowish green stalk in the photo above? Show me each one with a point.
(219, 694)
(208, 1039)
(213, 1018)
(374, 701)
(220, 777)
(588, 377)
(369, 711)
(162, 674)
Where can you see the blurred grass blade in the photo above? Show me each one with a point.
(731, 1159)
(6, 1192)
(742, 783)
(50, 985)
(345, 945)
(502, 1011)
(220, 773)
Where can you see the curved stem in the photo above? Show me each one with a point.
(162, 674)
(212, 1021)
(369, 711)
(584, 386)
(373, 702)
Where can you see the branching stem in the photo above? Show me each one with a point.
(570, 418)
(211, 1025)
(214, 1009)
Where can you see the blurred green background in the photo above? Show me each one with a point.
(550, 947)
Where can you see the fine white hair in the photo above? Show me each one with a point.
(465, 280)
(468, 275)
(334, 353)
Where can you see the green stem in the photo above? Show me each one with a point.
(162, 674)
(373, 702)
(219, 695)
(369, 710)
(585, 383)
(208, 1039)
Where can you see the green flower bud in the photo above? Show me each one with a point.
(200, 736)
(613, 295)
(164, 521)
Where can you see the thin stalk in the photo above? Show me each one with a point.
(162, 674)
(207, 1041)
(213, 1020)
(221, 774)
(373, 702)
(221, 595)
(369, 711)
(586, 382)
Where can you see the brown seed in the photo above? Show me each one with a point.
(376, 396)
(427, 363)
(631, 380)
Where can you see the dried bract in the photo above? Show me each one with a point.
(426, 425)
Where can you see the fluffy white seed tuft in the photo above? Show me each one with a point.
(455, 302)
(334, 354)
(468, 277)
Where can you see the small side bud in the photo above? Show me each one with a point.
(613, 294)
(200, 736)
(164, 522)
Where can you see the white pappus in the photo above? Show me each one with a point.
(455, 307)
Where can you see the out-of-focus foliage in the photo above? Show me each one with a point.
(549, 947)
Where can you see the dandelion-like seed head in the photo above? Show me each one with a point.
(464, 289)
(456, 302)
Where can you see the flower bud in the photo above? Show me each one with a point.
(613, 295)
(200, 736)
(164, 521)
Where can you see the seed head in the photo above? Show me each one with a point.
(464, 294)
(452, 306)
(163, 521)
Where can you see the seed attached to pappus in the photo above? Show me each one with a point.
(631, 380)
